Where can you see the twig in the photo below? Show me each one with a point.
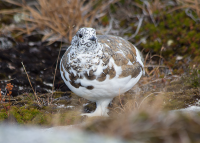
(110, 26)
(146, 3)
(138, 27)
(146, 66)
(188, 5)
(55, 74)
(120, 100)
(29, 96)
(79, 100)
(141, 40)
(118, 108)
(189, 13)
(137, 104)
(146, 98)
(37, 98)
(8, 80)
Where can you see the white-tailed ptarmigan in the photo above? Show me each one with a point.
(99, 67)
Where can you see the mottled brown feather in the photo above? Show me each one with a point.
(114, 43)
(120, 59)
(91, 75)
(101, 77)
(76, 85)
(90, 87)
(133, 70)
(112, 72)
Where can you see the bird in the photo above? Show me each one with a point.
(100, 67)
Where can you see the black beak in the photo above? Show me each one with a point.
(92, 38)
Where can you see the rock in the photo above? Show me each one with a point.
(178, 58)
(5, 43)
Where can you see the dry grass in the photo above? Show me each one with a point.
(193, 5)
(150, 7)
(155, 72)
(130, 102)
(150, 126)
(59, 19)
(149, 123)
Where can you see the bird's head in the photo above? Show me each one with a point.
(85, 39)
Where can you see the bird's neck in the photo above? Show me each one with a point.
(85, 60)
(82, 49)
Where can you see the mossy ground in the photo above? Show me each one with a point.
(173, 93)
(25, 110)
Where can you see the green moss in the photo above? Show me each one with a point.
(58, 94)
(112, 8)
(3, 115)
(6, 19)
(97, 3)
(128, 34)
(142, 116)
(191, 34)
(30, 96)
(122, 23)
(42, 119)
(69, 118)
(105, 18)
(194, 78)
(179, 28)
(63, 102)
(122, 1)
(197, 58)
(29, 114)
(176, 26)
(50, 108)
(23, 114)
(2, 76)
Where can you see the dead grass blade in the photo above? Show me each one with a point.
(49, 102)
(189, 4)
(120, 101)
(37, 98)
(5, 11)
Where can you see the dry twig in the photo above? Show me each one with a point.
(54, 76)
(193, 5)
(37, 98)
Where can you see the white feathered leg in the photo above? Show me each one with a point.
(101, 108)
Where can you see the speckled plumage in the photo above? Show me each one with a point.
(98, 67)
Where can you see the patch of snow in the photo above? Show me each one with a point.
(5, 43)
(61, 106)
(48, 84)
(178, 58)
(70, 107)
(66, 134)
(189, 109)
(21, 87)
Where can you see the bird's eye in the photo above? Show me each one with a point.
(80, 35)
